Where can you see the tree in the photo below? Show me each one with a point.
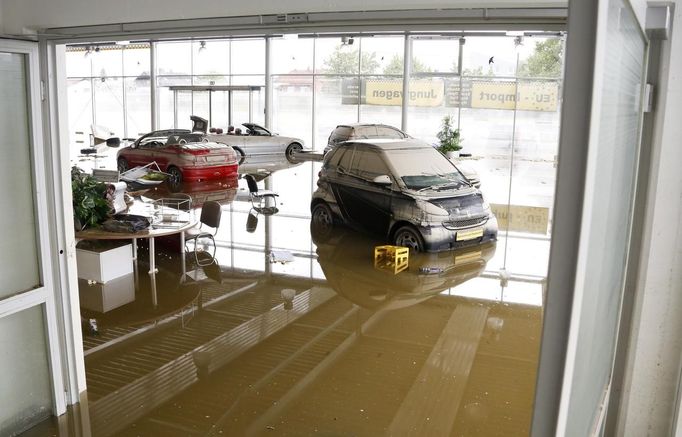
(345, 61)
(478, 71)
(448, 136)
(545, 60)
(395, 66)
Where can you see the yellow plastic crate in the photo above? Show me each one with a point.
(392, 258)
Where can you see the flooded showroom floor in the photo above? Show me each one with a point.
(283, 334)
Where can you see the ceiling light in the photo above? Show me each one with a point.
(202, 46)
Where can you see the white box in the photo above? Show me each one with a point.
(104, 264)
(106, 297)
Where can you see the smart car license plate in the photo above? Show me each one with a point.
(469, 235)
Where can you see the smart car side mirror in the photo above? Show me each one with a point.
(382, 180)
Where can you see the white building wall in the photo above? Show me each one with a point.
(23, 15)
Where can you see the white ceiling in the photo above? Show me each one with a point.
(24, 16)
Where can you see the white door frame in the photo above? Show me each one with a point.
(55, 123)
(44, 295)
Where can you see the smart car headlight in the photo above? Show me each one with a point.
(429, 209)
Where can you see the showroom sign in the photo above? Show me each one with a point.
(390, 92)
(465, 93)
(528, 96)
(532, 219)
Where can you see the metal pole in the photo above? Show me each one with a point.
(517, 42)
(125, 94)
(229, 108)
(314, 119)
(460, 70)
(153, 86)
(210, 108)
(175, 109)
(268, 84)
(407, 69)
(359, 76)
(250, 105)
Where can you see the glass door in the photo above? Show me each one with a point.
(31, 386)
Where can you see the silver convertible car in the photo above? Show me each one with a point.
(250, 139)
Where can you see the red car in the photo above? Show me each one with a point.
(182, 154)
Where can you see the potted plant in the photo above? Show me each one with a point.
(448, 137)
(90, 206)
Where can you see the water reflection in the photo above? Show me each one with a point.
(347, 260)
(357, 351)
(222, 191)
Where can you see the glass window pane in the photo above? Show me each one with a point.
(109, 104)
(337, 96)
(381, 100)
(138, 95)
(292, 100)
(136, 60)
(247, 56)
(333, 57)
(541, 57)
(80, 113)
(368, 165)
(434, 55)
(78, 62)
(255, 79)
(479, 52)
(211, 57)
(19, 268)
(25, 393)
(382, 55)
(199, 105)
(170, 101)
(612, 164)
(107, 61)
(174, 58)
(240, 107)
(292, 56)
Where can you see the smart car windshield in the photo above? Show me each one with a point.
(425, 168)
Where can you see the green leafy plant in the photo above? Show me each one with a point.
(448, 136)
(154, 176)
(90, 207)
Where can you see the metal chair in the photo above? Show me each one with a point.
(260, 196)
(210, 216)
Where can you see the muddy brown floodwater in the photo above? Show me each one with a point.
(285, 334)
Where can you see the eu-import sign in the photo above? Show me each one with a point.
(529, 96)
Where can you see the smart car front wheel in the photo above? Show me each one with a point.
(407, 236)
(322, 222)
